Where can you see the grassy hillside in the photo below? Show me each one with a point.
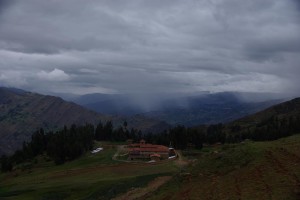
(91, 177)
(285, 110)
(277, 121)
(249, 170)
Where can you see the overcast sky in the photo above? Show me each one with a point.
(140, 46)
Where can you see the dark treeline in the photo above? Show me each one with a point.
(63, 145)
(106, 132)
(70, 143)
(181, 137)
(269, 129)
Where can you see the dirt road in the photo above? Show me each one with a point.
(141, 193)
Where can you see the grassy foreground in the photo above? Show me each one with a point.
(90, 177)
(250, 170)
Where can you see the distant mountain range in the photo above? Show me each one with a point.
(190, 110)
(21, 113)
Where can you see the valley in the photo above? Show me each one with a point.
(254, 157)
(184, 109)
(149, 100)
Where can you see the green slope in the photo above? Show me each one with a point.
(251, 170)
(94, 176)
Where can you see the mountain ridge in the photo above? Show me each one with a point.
(191, 110)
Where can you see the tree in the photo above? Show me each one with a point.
(6, 164)
(125, 124)
(99, 133)
(107, 131)
(178, 137)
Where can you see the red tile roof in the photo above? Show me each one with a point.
(148, 148)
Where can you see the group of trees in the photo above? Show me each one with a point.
(181, 137)
(269, 129)
(107, 132)
(67, 143)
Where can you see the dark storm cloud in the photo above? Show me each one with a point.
(4, 4)
(297, 4)
(269, 48)
(140, 46)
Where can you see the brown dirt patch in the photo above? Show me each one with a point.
(181, 162)
(238, 190)
(185, 195)
(141, 193)
(259, 178)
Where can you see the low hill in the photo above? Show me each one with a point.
(272, 123)
(23, 112)
(275, 122)
(283, 110)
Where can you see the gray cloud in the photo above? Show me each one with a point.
(141, 46)
(4, 4)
